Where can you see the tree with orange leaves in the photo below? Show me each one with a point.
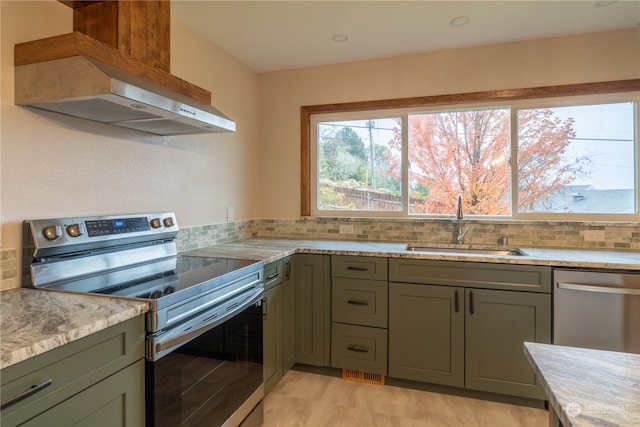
(468, 153)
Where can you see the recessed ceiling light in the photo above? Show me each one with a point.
(340, 38)
(603, 3)
(459, 21)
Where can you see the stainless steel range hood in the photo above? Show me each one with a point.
(83, 87)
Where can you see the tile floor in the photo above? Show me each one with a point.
(305, 399)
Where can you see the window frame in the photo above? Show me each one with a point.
(601, 92)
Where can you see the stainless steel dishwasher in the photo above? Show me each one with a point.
(597, 309)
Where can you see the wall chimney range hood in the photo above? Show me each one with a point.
(112, 77)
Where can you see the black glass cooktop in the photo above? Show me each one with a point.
(157, 279)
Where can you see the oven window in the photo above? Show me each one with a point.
(203, 382)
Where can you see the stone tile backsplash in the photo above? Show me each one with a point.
(9, 267)
(552, 234)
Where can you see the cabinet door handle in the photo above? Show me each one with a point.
(33, 390)
(357, 302)
(357, 268)
(358, 348)
(471, 302)
(273, 276)
(456, 302)
(287, 270)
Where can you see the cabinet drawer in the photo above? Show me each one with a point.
(72, 367)
(471, 274)
(273, 274)
(359, 302)
(359, 348)
(117, 401)
(359, 267)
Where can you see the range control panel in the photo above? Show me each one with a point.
(62, 235)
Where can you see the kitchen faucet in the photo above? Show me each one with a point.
(461, 231)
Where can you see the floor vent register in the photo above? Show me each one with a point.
(362, 377)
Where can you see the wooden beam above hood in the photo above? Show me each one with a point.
(133, 36)
(141, 29)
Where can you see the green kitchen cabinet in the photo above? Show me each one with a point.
(359, 302)
(272, 325)
(113, 402)
(279, 322)
(470, 335)
(272, 338)
(312, 281)
(97, 380)
(288, 316)
(497, 324)
(426, 333)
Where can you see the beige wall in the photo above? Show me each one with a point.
(577, 59)
(54, 166)
(57, 166)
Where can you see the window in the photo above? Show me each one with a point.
(355, 165)
(563, 158)
(578, 159)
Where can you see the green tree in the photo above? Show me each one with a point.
(342, 156)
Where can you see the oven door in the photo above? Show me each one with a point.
(208, 373)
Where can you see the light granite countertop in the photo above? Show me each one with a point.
(269, 250)
(588, 387)
(34, 321)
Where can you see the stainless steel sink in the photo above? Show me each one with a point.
(464, 249)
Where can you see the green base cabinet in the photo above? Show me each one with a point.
(359, 313)
(288, 317)
(272, 339)
(279, 322)
(497, 325)
(312, 309)
(95, 381)
(470, 335)
(113, 402)
(426, 333)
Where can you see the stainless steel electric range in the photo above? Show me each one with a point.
(204, 326)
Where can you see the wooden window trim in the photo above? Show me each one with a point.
(496, 95)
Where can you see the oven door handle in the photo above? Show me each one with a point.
(156, 347)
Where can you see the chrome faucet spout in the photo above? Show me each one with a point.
(460, 215)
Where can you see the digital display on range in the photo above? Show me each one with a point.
(108, 227)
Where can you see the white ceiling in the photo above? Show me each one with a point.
(277, 35)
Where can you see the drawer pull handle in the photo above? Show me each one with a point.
(33, 390)
(357, 302)
(357, 268)
(273, 276)
(358, 349)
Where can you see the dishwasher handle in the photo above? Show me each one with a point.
(597, 288)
